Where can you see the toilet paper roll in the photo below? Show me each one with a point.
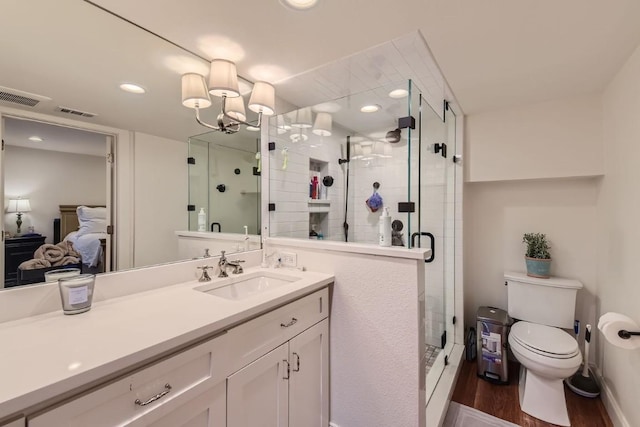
(610, 331)
(610, 317)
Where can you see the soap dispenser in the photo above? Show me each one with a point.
(384, 228)
(202, 220)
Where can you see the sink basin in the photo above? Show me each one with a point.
(248, 286)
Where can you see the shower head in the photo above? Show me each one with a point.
(393, 136)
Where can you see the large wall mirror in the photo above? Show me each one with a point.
(68, 58)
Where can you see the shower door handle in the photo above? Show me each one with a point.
(432, 243)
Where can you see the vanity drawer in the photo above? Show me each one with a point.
(252, 339)
(147, 394)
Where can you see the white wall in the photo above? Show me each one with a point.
(160, 198)
(49, 179)
(561, 138)
(377, 335)
(497, 214)
(619, 232)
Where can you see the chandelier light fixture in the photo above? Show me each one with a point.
(223, 83)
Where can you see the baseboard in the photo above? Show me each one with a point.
(436, 410)
(610, 402)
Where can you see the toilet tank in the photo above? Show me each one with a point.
(549, 302)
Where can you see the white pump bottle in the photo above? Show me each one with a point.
(384, 228)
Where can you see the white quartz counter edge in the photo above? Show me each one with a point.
(359, 248)
(44, 356)
(217, 236)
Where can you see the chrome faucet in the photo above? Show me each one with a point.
(205, 275)
(224, 263)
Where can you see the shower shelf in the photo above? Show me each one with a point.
(319, 206)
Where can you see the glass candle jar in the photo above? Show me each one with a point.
(76, 293)
(54, 275)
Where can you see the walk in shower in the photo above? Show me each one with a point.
(224, 182)
(334, 166)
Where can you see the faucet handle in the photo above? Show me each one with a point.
(205, 275)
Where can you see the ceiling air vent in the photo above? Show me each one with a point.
(75, 112)
(16, 96)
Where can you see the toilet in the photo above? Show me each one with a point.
(547, 354)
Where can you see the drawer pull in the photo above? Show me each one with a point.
(297, 368)
(156, 397)
(291, 323)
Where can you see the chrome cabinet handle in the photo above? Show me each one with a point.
(286, 377)
(297, 368)
(156, 397)
(291, 323)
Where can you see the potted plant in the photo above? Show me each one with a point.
(537, 257)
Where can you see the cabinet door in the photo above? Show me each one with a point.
(309, 383)
(206, 410)
(16, 423)
(258, 394)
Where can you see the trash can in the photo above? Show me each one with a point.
(492, 329)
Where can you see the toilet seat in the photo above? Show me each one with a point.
(544, 340)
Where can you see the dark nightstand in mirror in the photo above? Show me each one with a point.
(16, 251)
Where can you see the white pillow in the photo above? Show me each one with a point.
(91, 220)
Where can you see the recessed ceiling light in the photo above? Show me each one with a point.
(35, 138)
(370, 108)
(133, 88)
(299, 4)
(398, 93)
(253, 128)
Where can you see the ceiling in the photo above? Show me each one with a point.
(494, 53)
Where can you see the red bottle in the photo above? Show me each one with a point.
(314, 188)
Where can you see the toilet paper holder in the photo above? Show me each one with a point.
(625, 335)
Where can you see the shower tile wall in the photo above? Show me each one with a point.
(391, 174)
(289, 188)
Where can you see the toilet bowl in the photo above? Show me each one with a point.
(547, 356)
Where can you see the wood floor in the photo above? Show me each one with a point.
(502, 400)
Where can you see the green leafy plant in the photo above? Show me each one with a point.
(537, 245)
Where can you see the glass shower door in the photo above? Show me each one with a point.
(431, 233)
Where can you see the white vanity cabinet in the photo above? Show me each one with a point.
(271, 370)
(288, 386)
(179, 388)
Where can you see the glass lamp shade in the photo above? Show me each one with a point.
(303, 118)
(19, 205)
(263, 99)
(357, 152)
(223, 79)
(234, 107)
(194, 91)
(282, 125)
(322, 125)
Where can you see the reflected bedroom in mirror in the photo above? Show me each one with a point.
(55, 179)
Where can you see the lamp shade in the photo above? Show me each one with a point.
(194, 91)
(303, 118)
(223, 79)
(234, 107)
(282, 125)
(322, 125)
(263, 99)
(19, 205)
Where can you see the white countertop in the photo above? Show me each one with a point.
(44, 356)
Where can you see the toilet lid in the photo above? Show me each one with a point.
(545, 340)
